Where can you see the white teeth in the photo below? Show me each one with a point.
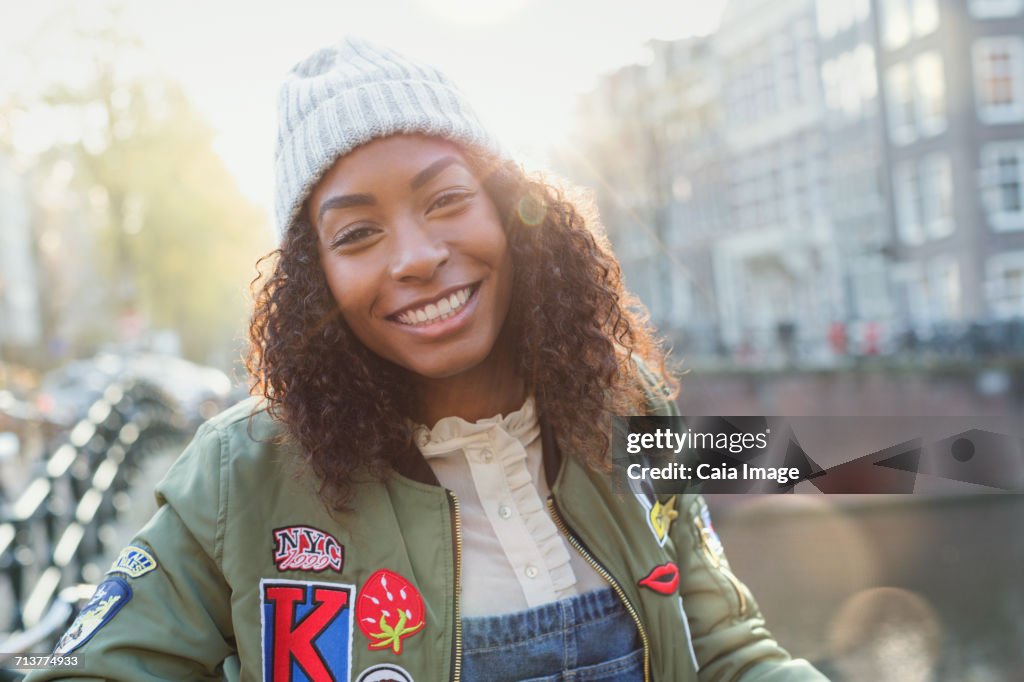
(435, 312)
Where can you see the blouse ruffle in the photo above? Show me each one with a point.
(511, 440)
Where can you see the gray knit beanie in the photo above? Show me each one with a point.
(343, 96)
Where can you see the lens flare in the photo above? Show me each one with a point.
(886, 634)
(531, 210)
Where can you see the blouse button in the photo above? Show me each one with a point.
(487, 455)
(532, 572)
(505, 511)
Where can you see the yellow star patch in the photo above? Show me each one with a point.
(661, 517)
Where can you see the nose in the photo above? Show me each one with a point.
(418, 254)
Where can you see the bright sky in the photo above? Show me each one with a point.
(522, 63)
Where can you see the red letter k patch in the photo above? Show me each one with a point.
(307, 630)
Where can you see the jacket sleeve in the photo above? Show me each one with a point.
(729, 636)
(170, 617)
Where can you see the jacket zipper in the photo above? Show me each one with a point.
(453, 502)
(717, 563)
(603, 572)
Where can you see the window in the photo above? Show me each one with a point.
(906, 19)
(931, 291)
(834, 17)
(930, 94)
(944, 288)
(901, 104)
(988, 9)
(832, 84)
(908, 197)
(1002, 184)
(917, 98)
(870, 281)
(895, 23)
(849, 81)
(682, 296)
(924, 199)
(999, 79)
(864, 57)
(1008, 172)
(936, 176)
(1004, 285)
(925, 16)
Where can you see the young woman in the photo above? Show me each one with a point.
(421, 490)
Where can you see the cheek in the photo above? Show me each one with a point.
(505, 281)
(349, 294)
(503, 253)
(491, 240)
(336, 287)
(507, 269)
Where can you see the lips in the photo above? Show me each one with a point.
(662, 579)
(441, 308)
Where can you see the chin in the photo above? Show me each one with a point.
(440, 371)
(447, 365)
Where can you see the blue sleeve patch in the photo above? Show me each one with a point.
(111, 595)
(134, 562)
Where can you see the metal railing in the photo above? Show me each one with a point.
(60, 526)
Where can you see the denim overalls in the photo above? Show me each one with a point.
(586, 638)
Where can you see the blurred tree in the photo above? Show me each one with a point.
(173, 240)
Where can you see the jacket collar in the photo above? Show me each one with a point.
(413, 465)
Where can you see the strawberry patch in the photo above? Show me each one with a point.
(389, 609)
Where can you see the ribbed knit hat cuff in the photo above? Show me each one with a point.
(351, 112)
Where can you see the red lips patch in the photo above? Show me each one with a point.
(662, 579)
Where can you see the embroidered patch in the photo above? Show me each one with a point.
(388, 610)
(660, 518)
(306, 630)
(304, 548)
(663, 579)
(385, 672)
(712, 544)
(110, 596)
(134, 562)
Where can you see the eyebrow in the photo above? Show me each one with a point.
(344, 201)
(431, 171)
(420, 179)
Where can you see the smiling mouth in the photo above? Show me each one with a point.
(438, 310)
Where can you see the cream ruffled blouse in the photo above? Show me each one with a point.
(513, 556)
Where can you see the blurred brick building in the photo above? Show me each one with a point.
(818, 178)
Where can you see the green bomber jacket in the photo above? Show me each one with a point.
(244, 574)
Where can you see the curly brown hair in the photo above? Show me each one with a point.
(575, 328)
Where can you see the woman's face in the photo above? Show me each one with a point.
(414, 254)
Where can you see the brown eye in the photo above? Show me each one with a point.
(353, 235)
(451, 198)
